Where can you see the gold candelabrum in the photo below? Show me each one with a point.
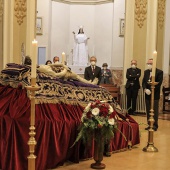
(32, 142)
(150, 146)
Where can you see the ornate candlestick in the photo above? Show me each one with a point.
(32, 142)
(150, 147)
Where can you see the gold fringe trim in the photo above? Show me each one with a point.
(56, 101)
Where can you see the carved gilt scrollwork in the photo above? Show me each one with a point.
(1, 9)
(20, 10)
(161, 13)
(140, 11)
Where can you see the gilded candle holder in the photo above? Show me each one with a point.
(32, 142)
(150, 146)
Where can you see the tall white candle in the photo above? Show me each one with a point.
(34, 59)
(63, 57)
(154, 63)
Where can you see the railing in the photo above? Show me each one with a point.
(140, 104)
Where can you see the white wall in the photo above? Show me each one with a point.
(101, 24)
(44, 11)
(118, 42)
(103, 33)
(59, 29)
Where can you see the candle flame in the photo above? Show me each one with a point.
(34, 41)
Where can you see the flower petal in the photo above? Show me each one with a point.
(111, 121)
(95, 111)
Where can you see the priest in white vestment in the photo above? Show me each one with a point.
(80, 51)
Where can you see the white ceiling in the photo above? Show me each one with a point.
(85, 2)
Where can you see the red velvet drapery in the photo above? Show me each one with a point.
(56, 130)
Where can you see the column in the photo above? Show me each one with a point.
(129, 33)
(151, 34)
(8, 32)
(31, 25)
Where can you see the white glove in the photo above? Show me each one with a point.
(147, 91)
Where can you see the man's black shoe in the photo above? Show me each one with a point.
(155, 129)
(147, 128)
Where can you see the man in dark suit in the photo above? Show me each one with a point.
(132, 86)
(147, 90)
(93, 71)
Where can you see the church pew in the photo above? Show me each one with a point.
(114, 91)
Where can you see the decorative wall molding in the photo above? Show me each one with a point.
(140, 11)
(1, 9)
(20, 9)
(84, 2)
(161, 13)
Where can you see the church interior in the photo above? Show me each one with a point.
(42, 106)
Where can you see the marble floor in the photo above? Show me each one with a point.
(136, 159)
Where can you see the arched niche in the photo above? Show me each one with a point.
(101, 21)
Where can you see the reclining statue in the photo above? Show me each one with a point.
(62, 71)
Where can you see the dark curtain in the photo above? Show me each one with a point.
(56, 129)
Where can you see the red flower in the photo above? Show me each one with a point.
(104, 114)
(104, 111)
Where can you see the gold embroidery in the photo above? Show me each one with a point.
(54, 90)
(58, 92)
